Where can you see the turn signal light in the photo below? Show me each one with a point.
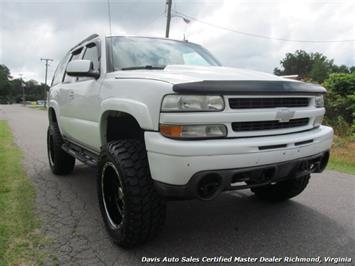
(193, 131)
(171, 131)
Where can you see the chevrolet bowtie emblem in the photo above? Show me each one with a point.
(284, 115)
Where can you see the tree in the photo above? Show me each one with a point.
(5, 84)
(321, 67)
(310, 66)
(4, 73)
(340, 99)
(341, 69)
(299, 63)
(11, 89)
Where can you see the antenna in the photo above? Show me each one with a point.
(109, 16)
(168, 18)
(110, 28)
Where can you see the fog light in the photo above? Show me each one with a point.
(193, 131)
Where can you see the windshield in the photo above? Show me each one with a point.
(128, 53)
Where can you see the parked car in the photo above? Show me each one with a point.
(162, 119)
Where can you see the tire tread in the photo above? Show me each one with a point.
(145, 209)
(63, 162)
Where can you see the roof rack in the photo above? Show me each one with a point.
(92, 36)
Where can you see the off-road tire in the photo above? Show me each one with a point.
(60, 162)
(143, 209)
(282, 190)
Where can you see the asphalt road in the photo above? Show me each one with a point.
(319, 222)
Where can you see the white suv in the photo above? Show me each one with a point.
(162, 119)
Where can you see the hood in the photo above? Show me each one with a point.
(176, 74)
(222, 80)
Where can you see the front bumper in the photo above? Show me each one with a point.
(208, 184)
(175, 162)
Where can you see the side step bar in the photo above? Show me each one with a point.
(81, 154)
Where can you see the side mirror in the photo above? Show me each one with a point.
(82, 68)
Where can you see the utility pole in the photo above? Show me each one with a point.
(23, 89)
(47, 60)
(168, 18)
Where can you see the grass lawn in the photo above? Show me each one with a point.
(20, 238)
(342, 155)
(39, 107)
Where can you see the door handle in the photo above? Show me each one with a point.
(71, 94)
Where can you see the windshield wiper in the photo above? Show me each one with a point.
(143, 67)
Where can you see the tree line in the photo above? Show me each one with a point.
(338, 80)
(310, 67)
(11, 89)
(314, 67)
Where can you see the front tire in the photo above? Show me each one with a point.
(132, 210)
(282, 190)
(61, 163)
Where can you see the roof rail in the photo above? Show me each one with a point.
(92, 36)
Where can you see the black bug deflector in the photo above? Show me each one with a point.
(249, 87)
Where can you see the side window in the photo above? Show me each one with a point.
(74, 56)
(59, 72)
(91, 53)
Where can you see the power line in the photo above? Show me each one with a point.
(258, 35)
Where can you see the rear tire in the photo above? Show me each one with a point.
(282, 190)
(61, 163)
(131, 208)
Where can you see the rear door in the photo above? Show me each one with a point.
(56, 99)
(67, 96)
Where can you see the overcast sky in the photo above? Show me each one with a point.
(31, 29)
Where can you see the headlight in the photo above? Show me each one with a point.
(193, 131)
(319, 101)
(192, 103)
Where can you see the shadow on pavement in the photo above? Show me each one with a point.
(235, 224)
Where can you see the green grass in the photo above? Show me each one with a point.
(38, 107)
(20, 237)
(342, 155)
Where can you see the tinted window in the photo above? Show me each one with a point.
(58, 75)
(91, 54)
(75, 56)
(134, 52)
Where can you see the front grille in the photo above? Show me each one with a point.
(254, 103)
(268, 125)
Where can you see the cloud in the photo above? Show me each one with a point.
(30, 30)
(295, 20)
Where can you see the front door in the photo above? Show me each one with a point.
(85, 104)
